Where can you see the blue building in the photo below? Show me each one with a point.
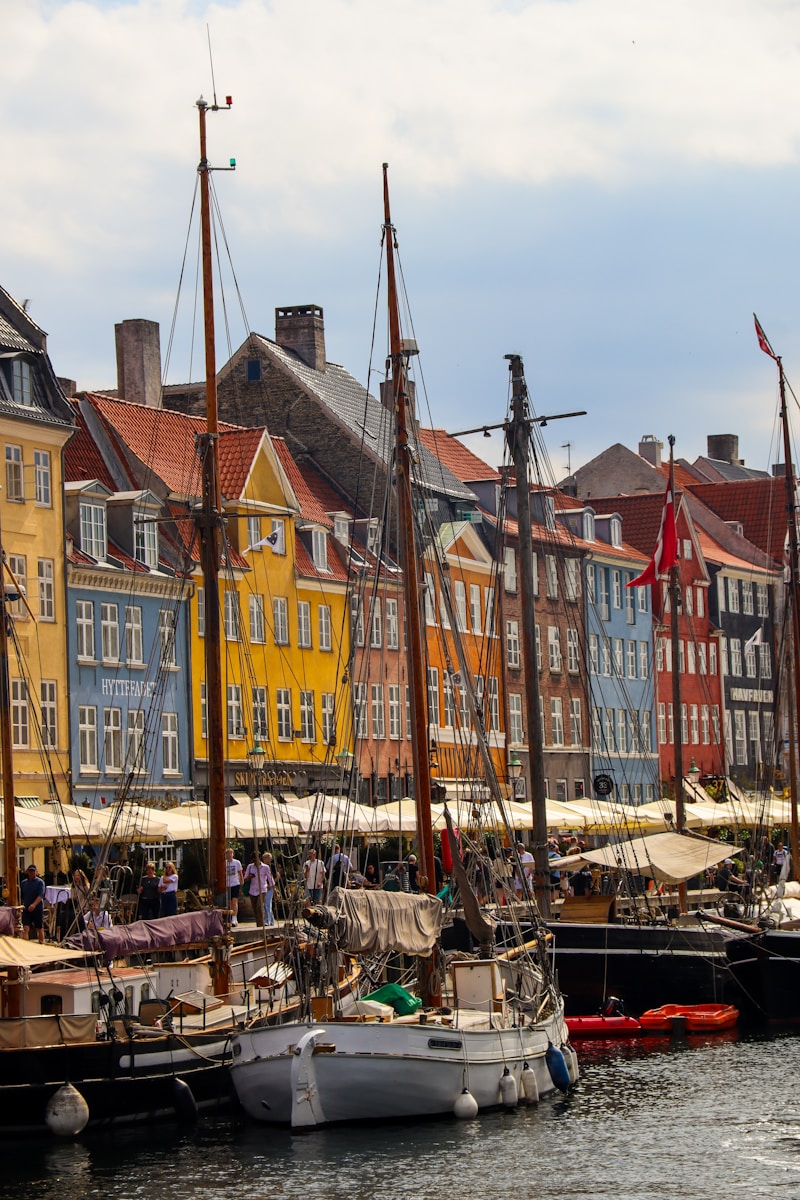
(128, 643)
(619, 638)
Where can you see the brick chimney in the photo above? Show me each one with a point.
(139, 362)
(725, 448)
(650, 449)
(301, 328)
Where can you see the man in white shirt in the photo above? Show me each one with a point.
(233, 881)
(314, 875)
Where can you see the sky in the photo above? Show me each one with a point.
(609, 188)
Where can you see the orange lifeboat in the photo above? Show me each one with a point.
(696, 1018)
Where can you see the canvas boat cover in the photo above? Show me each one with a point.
(17, 952)
(142, 937)
(364, 922)
(666, 857)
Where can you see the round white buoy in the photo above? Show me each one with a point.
(67, 1113)
(466, 1106)
(530, 1088)
(509, 1095)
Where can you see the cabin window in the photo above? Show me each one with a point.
(51, 1006)
(42, 491)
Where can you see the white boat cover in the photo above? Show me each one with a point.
(17, 952)
(667, 857)
(365, 922)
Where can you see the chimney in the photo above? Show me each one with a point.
(725, 448)
(301, 328)
(139, 362)
(650, 449)
(68, 386)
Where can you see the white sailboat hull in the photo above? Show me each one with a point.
(323, 1072)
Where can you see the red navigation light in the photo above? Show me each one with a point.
(229, 100)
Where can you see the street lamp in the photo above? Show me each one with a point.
(256, 757)
(515, 769)
(693, 774)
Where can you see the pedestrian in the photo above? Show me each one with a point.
(233, 881)
(32, 893)
(338, 867)
(259, 876)
(269, 892)
(168, 890)
(149, 899)
(314, 876)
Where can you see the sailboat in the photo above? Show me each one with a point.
(482, 1031)
(85, 1059)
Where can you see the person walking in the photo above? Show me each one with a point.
(259, 876)
(32, 893)
(234, 877)
(314, 876)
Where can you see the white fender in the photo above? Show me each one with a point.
(306, 1108)
(530, 1088)
(466, 1106)
(67, 1113)
(509, 1094)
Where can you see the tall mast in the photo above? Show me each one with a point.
(10, 878)
(210, 526)
(794, 600)
(518, 436)
(677, 712)
(411, 563)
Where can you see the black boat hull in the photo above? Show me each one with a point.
(766, 969)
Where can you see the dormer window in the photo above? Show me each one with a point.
(145, 541)
(374, 536)
(93, 530)
(21, 381)
(588, 526)
(319, 549)
(616, 531)
(341, 529)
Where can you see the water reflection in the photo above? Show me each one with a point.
(651, 1119)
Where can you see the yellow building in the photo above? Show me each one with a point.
(35, 424)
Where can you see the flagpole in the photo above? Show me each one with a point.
(677, 718)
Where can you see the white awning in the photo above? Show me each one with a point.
(667, 857)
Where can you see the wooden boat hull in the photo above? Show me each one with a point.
(121, 1082)
(695, 1018)
(309, 1075)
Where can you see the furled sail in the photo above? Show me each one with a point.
(364, 922)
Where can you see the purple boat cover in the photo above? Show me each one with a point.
(141, 937)
(7, 921)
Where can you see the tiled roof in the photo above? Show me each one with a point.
(718, 470)
(314, 495)
(82, 459)
(684, 478)
(362, 415)
(162, 440)
(465, 465)
(305, 564)
(237, 450)
(12, 339)
(759, 505)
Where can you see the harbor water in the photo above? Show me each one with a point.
(654, 1119)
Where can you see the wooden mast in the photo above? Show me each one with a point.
(518, 438)
(677, 710)
(794, 600)
(411, 563)
(210, 525)
(10, 871)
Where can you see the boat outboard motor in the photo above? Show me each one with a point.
(612, 1006)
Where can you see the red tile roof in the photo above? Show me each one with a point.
(465, 465)
(759, 505)
(82, 458)
(314, 494)
(237, 452)
(305, 564)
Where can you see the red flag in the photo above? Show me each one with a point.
(762, 340)
(665, 554)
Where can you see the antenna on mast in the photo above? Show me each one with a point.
(568, 447)
(211, 63)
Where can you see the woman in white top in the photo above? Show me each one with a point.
(168, 890)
